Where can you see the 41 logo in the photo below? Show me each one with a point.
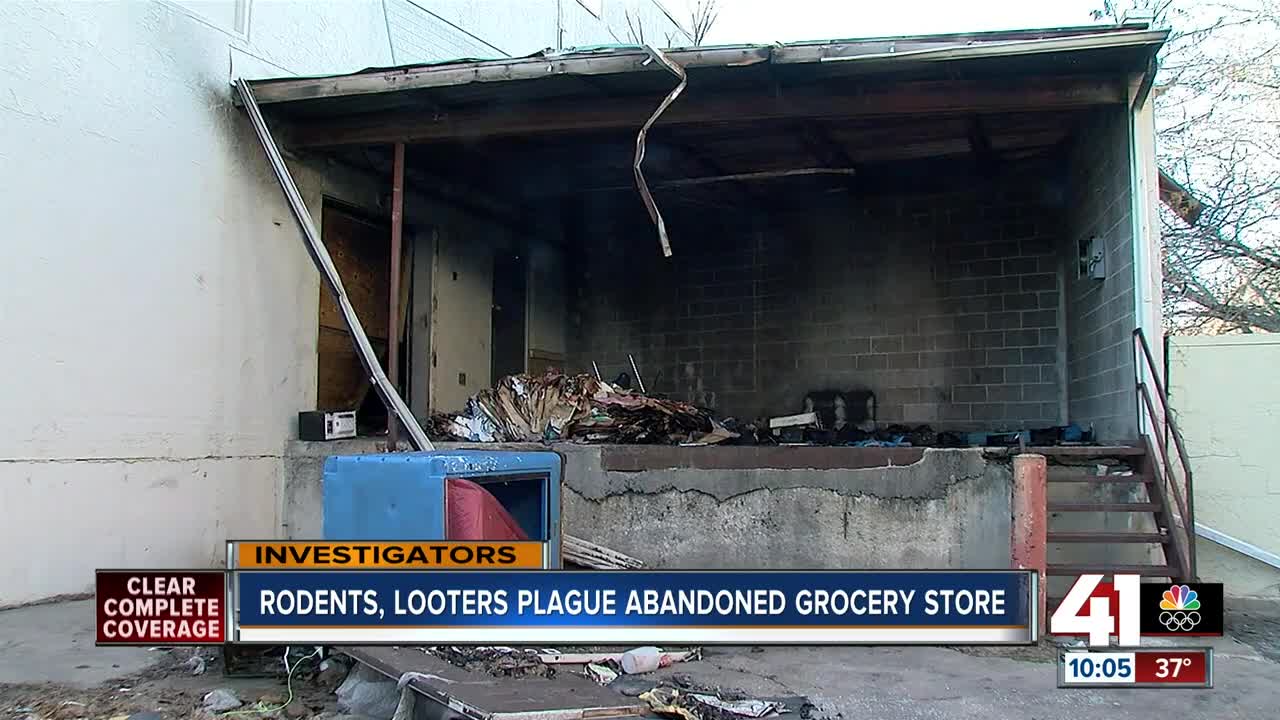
(1100, 610)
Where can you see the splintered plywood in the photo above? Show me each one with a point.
(362, 254)
(565, 697)
(342, 380)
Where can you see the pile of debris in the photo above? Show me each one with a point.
(673, 703)
(602, 666)
(532, 408)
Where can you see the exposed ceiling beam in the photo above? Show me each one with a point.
(820, 145)
(852, 100)
(984, 156)
(817, 141)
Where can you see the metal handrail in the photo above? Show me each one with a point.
(1186, 508)
(1183, 540)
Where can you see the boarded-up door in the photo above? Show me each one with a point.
(361, 252)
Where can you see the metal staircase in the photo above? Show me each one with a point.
(1136, 521)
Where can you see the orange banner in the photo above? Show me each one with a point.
(359, 555)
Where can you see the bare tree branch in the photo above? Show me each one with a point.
(1218, 123)
(703, 16)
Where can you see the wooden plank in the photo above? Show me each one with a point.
(1110, 569)
(1073, 451)
(1103, 507)
(848, 101)
(1056, 478)
(1102, 536)
(498, 695)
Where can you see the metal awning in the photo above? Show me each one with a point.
(1075, 50)
(808, 112)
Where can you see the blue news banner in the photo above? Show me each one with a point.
(616, 607)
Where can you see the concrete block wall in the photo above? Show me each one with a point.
(1101, 312)
(947, 306)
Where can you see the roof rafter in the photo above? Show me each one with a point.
(849, 100)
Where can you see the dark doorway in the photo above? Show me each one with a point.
(509, 299)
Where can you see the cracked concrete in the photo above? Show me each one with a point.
(951, 508)
(927, 479)
(711, 508)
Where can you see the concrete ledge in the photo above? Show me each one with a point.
(742, 507)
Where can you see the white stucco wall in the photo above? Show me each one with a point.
(155, 351)
(158, 307)
(1225, 393)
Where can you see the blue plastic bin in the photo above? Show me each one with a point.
(401, 496)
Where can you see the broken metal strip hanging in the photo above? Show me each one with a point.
(320, 256)
(649, 203)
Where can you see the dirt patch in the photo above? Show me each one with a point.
(1044, 652)
(170, 690)
(1256, 627)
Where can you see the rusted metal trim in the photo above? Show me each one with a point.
(393, 314)
(649, 204)
(874, 52)
(1185, 539)
(320, 256)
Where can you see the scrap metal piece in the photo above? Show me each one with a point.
(602, 674)
(320, 256)
(649, 203)
(807, 418)
(750, 708)
(597, 557)
(636, 370)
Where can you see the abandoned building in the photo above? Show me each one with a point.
(961, 226)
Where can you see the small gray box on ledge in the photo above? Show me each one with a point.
(321, 425)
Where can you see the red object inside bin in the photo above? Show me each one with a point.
(475, 514)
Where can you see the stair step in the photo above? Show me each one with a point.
(1109, 569)
(1103, 507)
(1076, 452)
(1098, 478)
(1103, 536)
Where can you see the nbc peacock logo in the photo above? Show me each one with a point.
(1178, 608)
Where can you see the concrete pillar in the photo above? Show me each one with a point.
(1031, 520)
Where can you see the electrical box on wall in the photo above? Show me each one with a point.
(1093, 259)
